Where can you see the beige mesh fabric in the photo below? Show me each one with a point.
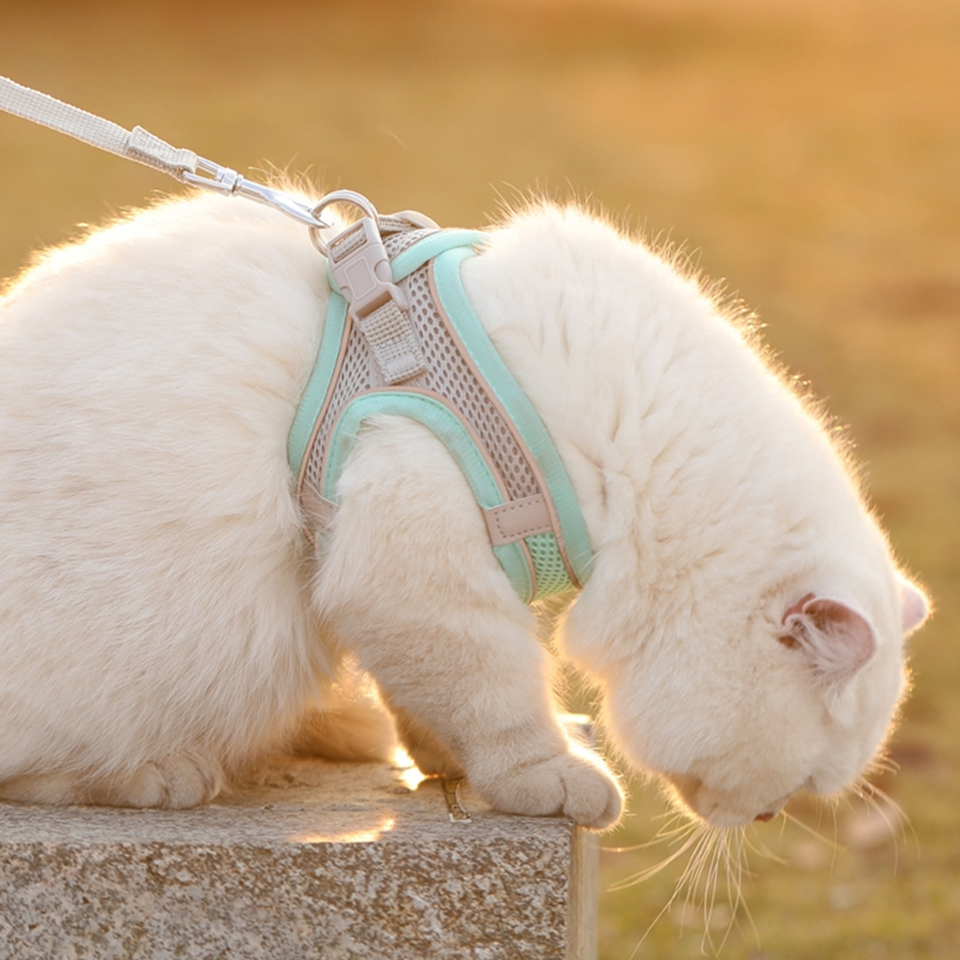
(451, 375)
(402, 237)
(358, 374)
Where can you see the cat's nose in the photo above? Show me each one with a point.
(772, 810)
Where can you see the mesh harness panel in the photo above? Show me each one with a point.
(465, 395)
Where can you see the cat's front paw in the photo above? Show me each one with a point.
(578, 785)
(174, 783)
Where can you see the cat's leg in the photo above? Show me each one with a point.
(411, 584)
(428, 752)
(173, 783)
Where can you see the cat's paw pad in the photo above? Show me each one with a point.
(578, 785)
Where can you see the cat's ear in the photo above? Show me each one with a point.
(837, 639)
(913, 605)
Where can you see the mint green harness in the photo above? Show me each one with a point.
(537, 530)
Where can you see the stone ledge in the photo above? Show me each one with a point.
(318, 860)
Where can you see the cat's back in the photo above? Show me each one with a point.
(200, 314)
(638, 369)
(166, 306)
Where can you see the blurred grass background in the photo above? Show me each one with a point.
(808, 150)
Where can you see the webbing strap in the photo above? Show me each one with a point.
(141, 145)
(361, 270)
(393, 342)
(137, 144)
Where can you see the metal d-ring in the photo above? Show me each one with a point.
(341, 196)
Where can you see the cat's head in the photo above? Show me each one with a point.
(798, 696)
(744, 614)
(839, 686)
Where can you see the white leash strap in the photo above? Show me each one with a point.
(141, 145)
(136, 144)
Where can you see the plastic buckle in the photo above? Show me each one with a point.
(359, 263)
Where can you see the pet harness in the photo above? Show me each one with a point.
(401, 337)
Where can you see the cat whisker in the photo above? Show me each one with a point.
(814, 832)
(741, 902)
(671, 837)
(678, 825)
(723, 849)
(752, 842)
(733, 869)
(700, 832)
(654, 842)
(889, 811)
(690, 878)
(874, 795)
(643, 875)
(882, 763)
(706, 874)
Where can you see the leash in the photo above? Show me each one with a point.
(143, 147)
(357, 258)
(362, 270)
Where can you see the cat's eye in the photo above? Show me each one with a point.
(790, 642)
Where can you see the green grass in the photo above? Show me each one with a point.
(808, 150)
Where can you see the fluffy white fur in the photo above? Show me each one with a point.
(163, 622)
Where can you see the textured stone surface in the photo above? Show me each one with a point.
(318, 860)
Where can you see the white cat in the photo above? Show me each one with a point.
(163, 621)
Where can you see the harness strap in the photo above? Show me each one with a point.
(361, 268)
(535, 525)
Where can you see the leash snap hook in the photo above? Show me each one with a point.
(230, 183)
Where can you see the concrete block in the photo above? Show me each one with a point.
(316, 860)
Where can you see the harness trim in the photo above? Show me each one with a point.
(458, 436)
(565, 510)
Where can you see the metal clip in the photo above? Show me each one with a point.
(230, 183)
(456, 809)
